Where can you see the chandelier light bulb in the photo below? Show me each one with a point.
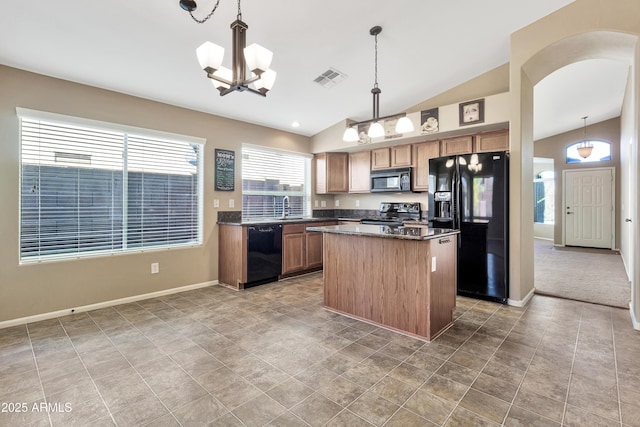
(350, 134)
(404, 125)
(375, 130)
(210, 56)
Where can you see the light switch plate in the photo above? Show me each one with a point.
(433, 264)
(232, 203)
(323, 203)
(216, 203)
(337, 203)
(155, 268)
(316, 203)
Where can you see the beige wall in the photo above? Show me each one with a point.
(584, 29)
(34, 289)
(554, 147)
(493, 86)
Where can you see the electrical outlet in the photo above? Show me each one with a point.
(155, 267)
(323, 203)
(357, 203)
(316, 203)
(337, 203)
(433, 264)
(232, 203)
(216, 203)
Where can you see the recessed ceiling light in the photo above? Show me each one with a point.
(295, 124)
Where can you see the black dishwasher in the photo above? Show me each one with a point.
(264, 254)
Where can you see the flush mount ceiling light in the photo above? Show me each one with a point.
(586, 147)
(376, 129)
(254, 58)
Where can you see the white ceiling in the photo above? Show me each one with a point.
(147, 48)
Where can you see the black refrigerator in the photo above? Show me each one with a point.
(470, 193)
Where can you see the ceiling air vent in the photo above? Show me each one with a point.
(330, 78)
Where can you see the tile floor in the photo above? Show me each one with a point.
(272, 356)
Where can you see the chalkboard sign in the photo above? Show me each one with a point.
(225, 170)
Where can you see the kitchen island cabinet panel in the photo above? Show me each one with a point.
(390, 282)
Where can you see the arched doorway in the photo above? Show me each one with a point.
(537, 51)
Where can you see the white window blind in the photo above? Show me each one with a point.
(268, 176)
(89, 190)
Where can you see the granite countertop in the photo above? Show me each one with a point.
(387, 231)
(265, 221)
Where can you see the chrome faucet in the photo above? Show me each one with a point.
(285, 206)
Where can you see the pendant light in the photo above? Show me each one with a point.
(585, 148)
(254, 58)
(376, 130)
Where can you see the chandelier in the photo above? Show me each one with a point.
(376, 129)
(254, 58)
(585, 148)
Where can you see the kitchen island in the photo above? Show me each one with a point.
(401, 278)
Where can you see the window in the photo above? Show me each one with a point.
(543, 196)
(268, 176)
(90, 188)
(601, 152)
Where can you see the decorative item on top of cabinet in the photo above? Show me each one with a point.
(332, 173)
(360, 172)
(491, 141)
(381, 158)
(458, 145)
(422, 152)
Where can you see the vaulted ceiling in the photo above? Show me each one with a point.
(147, 48)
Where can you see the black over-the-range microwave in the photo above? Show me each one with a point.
(391, 180)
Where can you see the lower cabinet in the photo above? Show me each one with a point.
(301, 249)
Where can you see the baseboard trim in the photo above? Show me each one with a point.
(634, 319)
(104, 304)
(523, 302)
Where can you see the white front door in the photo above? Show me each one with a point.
(589, 196)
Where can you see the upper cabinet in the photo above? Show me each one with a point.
(422, 152)
(359, 172)
(381, 158)
(401, 156)
(332, 173)
(391, 157)
(455, 146)
(491, 141)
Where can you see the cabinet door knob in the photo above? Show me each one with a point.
(627, 220)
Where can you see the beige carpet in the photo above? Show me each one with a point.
(590, 275)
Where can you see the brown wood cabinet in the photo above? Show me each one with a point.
(422, 153)
(392, 282)
(360, 172)
(232, 255)
(301, 249)
(332, 173)
(454, 146)
(401, 156)
(293, 248)
(491, 141)
(381, 158)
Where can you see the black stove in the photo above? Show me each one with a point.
(392, 213)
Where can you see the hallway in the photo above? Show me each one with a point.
(582, 274)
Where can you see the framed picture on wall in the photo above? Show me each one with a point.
(471, 112)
